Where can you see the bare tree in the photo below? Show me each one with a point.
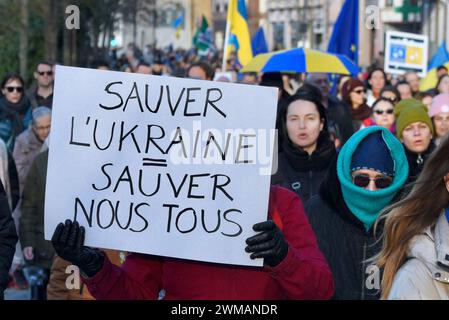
(23, 50)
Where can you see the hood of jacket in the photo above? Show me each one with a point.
(432, 248)
(362, 206)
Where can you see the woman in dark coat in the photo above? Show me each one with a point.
(8, 240)
(306, 148)
(15, 109)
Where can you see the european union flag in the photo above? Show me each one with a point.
(345, 36)
(258, 43)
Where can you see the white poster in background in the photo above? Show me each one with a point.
(159, 165)
(406, 52)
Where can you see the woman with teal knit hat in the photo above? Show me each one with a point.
(363, 179)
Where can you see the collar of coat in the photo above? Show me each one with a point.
(432, 248)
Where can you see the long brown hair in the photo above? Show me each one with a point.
(413, 214)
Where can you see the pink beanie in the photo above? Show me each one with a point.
(440, 103)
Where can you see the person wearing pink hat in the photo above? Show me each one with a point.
(439, 113)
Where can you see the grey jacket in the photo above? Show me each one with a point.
(425, 275)
(26, 148)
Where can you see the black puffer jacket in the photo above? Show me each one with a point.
(344, 241)
(303, 173)
(8, 240)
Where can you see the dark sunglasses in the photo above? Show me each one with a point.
(394, 100)
(362, 180)
(379, 112)
(17, 89)
(48, 73)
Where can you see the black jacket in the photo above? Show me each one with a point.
(8, 240)
(344, 241)
(339, 120)
(303, 173)
(416, 161)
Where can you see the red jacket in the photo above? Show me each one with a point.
(303, 274)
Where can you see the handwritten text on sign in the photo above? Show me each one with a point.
(160, 165)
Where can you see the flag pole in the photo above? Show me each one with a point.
(227, 31)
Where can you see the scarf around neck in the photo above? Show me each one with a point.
(366, 205)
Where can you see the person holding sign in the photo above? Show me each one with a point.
(294, 267)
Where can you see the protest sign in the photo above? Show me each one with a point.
(160, 165)
(406, 52)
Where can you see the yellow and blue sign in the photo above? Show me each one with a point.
(406, 52)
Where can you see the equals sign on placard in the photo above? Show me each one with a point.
(154, 162)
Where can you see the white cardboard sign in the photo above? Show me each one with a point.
(160, 165)
(406, 52)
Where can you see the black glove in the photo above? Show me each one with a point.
(68, 241)
(269, 244)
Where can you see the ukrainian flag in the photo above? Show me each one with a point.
(240, 39)
(177, 25)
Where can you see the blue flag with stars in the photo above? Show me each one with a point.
(345, 35)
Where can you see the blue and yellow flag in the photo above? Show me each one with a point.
(178, 24)
(239, 37)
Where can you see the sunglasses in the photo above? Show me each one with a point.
(379, 112)
(17, 89)
(48, 73)
(363, 181)
(394, 100)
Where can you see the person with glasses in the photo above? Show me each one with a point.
(355, 97)
(15, 109)
(415, 252)
(390, 92)
(41, 93)
(383, 115)
(415, 130)
(366, 176)
(439, 113)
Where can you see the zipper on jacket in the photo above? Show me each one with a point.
(310, 179)
(363, 271)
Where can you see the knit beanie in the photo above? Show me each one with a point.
(440, 104)
(408, 111)
(373, 153)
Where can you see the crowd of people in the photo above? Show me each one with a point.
(358, 208)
